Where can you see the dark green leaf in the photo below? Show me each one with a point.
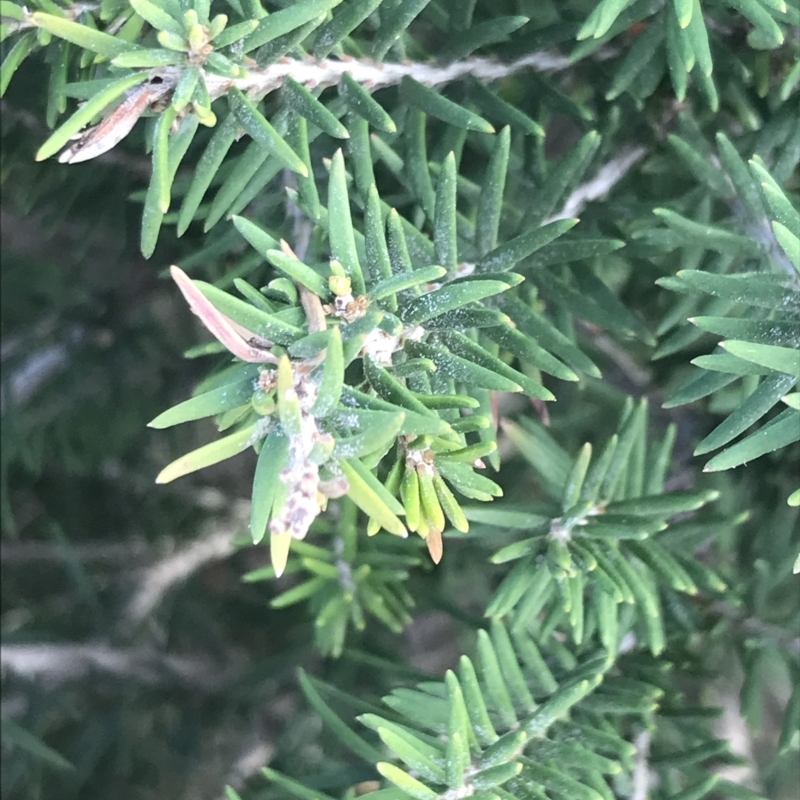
(431, 102)
(263, 133)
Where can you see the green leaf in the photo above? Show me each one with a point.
(775, 332)
(393, 24)
(157, 17)
(496, 688)
(207, 404)
(444, 217)
(557, 706)
(466, 348)
(465, 480)
(573, 249)
(360, 102)
(404, 781)
(14, 735)
(406, 280)
(448, 297)
(510, 668)
(295, 788)
(82, 35)
(663, 504)
(527, 351)
(233, 33)
(411, 753)
(490, 203)
(698, 39)
(285, 21)
(789, 242)
(261, 241)
(16, 55)
(645, 48)
(431, 102)
(680, 57)
(152, 215)
(783, 211)
(304, 103)
(779, 432)
(300, 272)
(332, 380)
(562, 178)
(725, 362)
(479, 35)
(548, 336)
(461, 369)
(416, 162)
(662, 563)
(371, 496)
(340, 228)
(741, 177)
(699, 386)
(86, 113)
(289, 409)
(263, 133)
(602, 17)
(710, 236)
(747, 288)
(700, 167)
(268, 326)
(499, 109)
(342, 23)
(779, 359)
(645, 593)
(538, 448)
(207, 167)
(161, 178)
(767, 34)
(769, 392)
(368, 439)
(212, 453)
(271, 460)
(186, 88)
(11, 10)
(594, 302)
(507, 517)
(342, 731)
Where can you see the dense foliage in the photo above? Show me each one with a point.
(505, 306)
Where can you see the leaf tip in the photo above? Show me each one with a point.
(279, 544)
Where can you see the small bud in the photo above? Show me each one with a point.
(205, 116)
(263, 403)
(198, 38)
(340, 285)
(171, 41)
(217, 25)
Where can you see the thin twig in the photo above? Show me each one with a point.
(641, 767)
(214, 543)
(609, 175)
(373, 75)
(116, 552)
(55, 664)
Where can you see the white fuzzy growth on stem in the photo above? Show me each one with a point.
(328, 72)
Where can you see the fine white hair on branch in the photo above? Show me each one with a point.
(373, 75)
